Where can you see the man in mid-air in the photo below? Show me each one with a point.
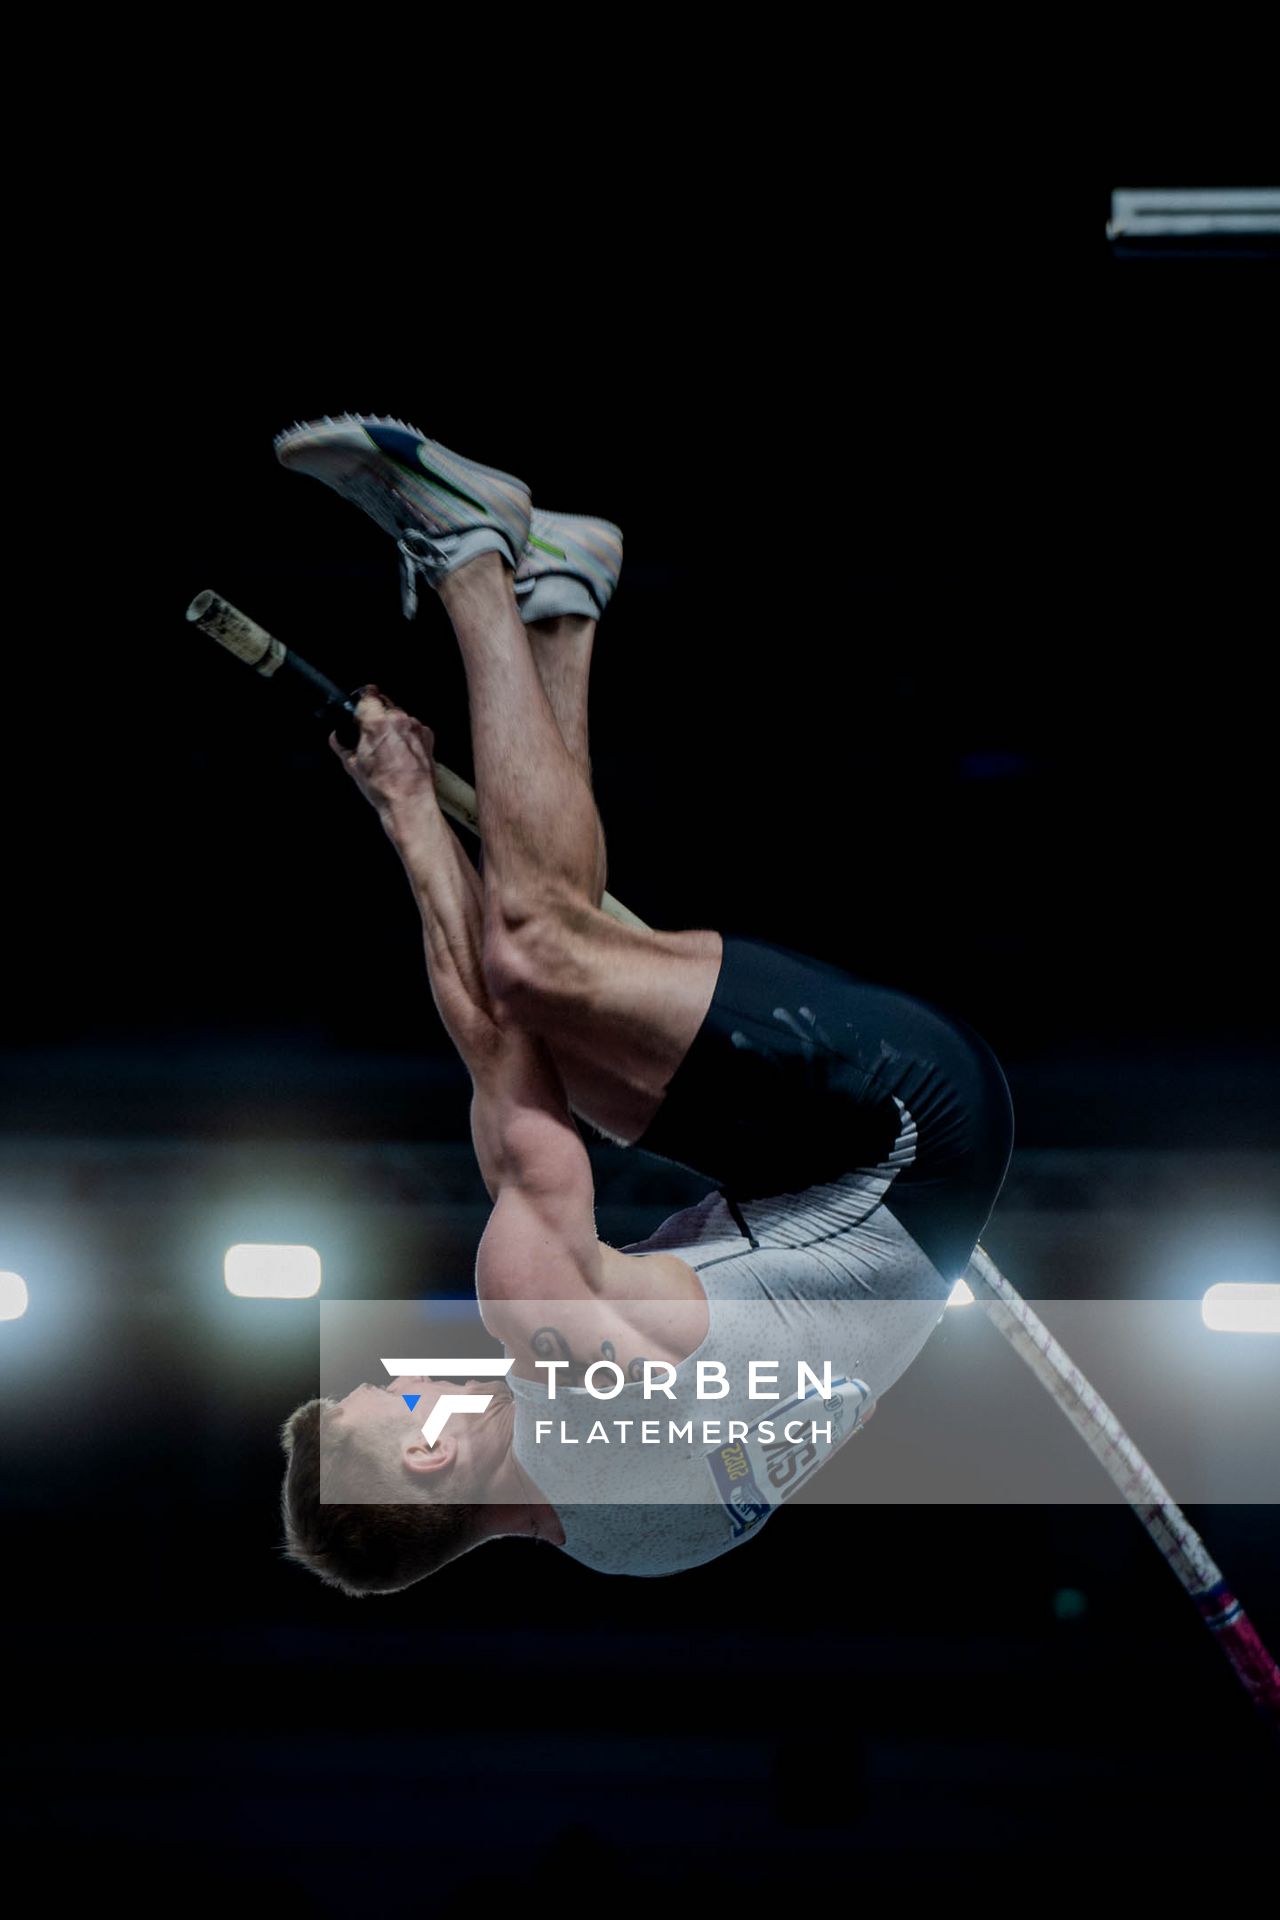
(857, 1137)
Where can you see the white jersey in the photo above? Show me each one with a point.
(783, 1278)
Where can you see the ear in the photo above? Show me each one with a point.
(418, 1457)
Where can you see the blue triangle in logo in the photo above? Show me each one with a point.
(411, 1400)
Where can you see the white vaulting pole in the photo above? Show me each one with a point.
(1183, 1549)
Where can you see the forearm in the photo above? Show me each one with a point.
(393, 765)
(521, 1119)
(449, 897)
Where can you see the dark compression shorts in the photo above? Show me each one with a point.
(791, 1081)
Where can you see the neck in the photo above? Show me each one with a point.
(516, 1504)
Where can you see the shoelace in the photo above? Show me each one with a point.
(420, 554)
(417, 553)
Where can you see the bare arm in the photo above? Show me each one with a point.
(531, 1156)
(393, 767)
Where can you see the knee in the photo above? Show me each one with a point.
(534, 962)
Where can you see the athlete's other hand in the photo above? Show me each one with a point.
(393, 761)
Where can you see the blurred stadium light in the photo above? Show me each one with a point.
(260, 1272)
(1242, 1306)
(13, 1296)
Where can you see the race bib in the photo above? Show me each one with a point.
(755, 1475)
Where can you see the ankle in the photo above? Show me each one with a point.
(484, 574)
(562, 627)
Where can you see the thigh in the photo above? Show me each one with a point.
(619, 1007)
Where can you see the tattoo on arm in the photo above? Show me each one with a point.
(635, 1368)
(548, 1343)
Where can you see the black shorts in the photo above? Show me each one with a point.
(793, 1079)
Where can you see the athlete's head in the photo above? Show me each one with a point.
(396, 1507)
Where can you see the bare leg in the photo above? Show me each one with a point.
(618, 1006)
(562, 651)
(538, 819)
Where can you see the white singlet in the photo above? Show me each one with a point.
(769, 1268)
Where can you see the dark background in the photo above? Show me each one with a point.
(944, 649)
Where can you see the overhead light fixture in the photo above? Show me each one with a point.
(1240, 221)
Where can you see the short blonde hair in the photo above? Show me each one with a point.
(363, 1547)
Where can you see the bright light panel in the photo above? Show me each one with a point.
(13, 1296)
(961, 1295)
(259, 1272)
(1242, 1306)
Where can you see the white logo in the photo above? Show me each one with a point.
(449, 1403)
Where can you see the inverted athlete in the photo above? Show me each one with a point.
(857, 1137)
